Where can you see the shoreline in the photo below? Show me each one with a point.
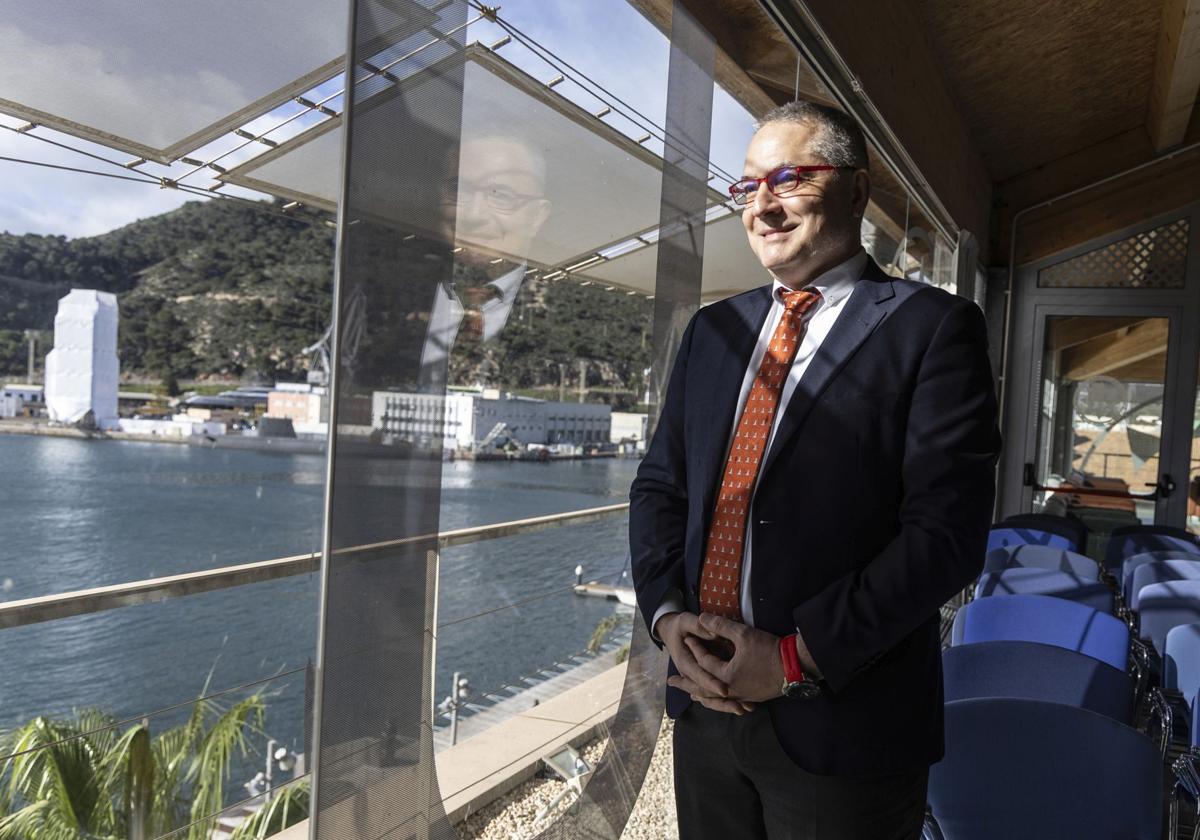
(9, 427)
(291, 446)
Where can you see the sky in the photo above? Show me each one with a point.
(605, 39)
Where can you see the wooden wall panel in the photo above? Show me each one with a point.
(1105, 210)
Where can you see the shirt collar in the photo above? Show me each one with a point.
(506, 285)
(509, 284)
(836, 283)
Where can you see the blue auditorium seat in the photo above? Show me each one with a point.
(1046, 582)
(1181, 661)
(1067, 526)
(1037, 672)
(1047, 620)
(1162, 606)
(1129, 540)
(1130, 565)
(1030, 769)
(1194, 722)
(1003, 535)
(1161, 572)
(1041, 557)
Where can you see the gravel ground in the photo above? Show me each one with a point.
(512, 817)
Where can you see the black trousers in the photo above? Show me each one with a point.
(734, 782)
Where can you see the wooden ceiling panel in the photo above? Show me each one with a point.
(1151, 369)
(1068, 332)
(1113, 351)
(1037, 81)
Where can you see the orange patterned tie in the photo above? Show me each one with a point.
(720, 579)
(473, 298)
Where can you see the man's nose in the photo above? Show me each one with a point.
(473, 211)
(764, 200)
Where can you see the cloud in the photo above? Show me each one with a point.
(606, 39)
(38, 200)
(152, 78)
(156, 78)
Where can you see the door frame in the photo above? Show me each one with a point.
(1030, 307)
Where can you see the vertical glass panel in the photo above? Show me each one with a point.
(1101, 418)
(898, 236)
(162, 426)
(501, 384)
(885, 222)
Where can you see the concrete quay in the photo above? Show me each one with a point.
(476, 772)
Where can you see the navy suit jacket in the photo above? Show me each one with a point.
(872, 507)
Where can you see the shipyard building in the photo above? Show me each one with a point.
(464, 418)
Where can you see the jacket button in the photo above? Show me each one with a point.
(693, 589)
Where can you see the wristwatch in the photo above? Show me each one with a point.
(796, 683)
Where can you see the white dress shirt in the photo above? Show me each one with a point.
(835, 287)
(447, 315)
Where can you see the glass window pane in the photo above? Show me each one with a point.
(1193, 489)
(1101, 418)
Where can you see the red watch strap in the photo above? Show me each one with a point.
(793, 671)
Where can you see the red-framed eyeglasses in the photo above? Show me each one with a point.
(780, 181)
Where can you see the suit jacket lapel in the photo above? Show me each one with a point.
(741, 334)
(865, 308)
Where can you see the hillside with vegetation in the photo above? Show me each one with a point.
(228, 290)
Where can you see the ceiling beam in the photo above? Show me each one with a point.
(1109, 207)
(1113, 352)
(1057, 177)
(1067, 332)
(1176, 74)
(1151, 369)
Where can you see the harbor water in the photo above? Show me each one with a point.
(76, 514)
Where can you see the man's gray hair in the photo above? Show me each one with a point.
(837, 140)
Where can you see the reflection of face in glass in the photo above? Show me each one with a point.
(497, 204)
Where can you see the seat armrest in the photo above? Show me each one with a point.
(1141, 665)
(1107, 577)
(1187, 785)
(1161, 709)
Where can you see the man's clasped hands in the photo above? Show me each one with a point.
(725, 665)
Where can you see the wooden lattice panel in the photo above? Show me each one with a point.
(1153, 259)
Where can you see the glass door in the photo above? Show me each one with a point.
(1101, 387)
(1100, 401)
(1193, 485)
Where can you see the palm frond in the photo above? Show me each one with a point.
(172, 758)
(130, 776)
(286, 807)
(87, 778)
(57, 764)
(213, 758)
(40, 820)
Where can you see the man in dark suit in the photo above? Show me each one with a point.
(820, 482)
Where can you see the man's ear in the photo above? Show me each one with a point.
(541, 214)
(860, 192)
